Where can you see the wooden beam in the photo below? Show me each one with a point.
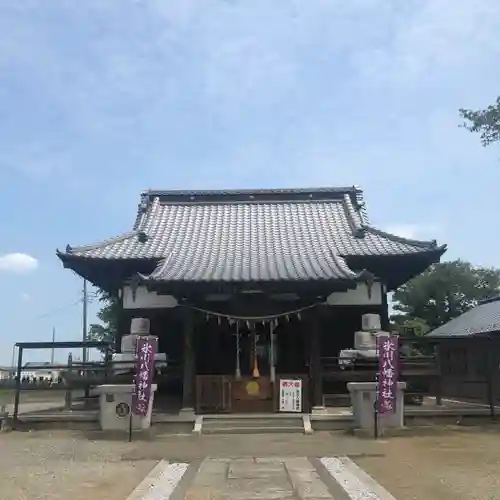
(315, 325)
(384, 310)
(122, 326)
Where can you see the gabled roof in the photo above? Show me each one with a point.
(484, 318)
(252, 235)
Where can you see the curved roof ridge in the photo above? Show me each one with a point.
(158, 270)
(430, 244)
(142, 211)
(361, 207)
(353, 217)
(100, 244)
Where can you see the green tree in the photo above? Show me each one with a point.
(445, 291)
(411, 327)
(486, 122)
(408, 326)
(108, 315)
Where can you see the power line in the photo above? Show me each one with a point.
(92, 297)
(60, 310)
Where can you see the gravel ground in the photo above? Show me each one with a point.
(452, 464)
(57, 466)
(456, 464)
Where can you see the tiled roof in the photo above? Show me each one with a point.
(262, 235)
(484, 318)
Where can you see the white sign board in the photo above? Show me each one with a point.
(291, 395)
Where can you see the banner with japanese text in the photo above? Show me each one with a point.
(146, 350)
(388, 359)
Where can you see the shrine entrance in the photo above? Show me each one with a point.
(240, 364)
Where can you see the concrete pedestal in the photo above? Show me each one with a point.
(115, 406)
(187, 413)
(363, 395)
(318, 410)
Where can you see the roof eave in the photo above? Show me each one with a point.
(432, 253)
(426, 245)
(155, 284)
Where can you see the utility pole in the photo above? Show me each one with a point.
(52, 353)
(84, 322)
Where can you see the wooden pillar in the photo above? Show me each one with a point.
(385, 321)
(123, 324)
(438, 382)
(189, 367)
(489, 347)
(316, 372)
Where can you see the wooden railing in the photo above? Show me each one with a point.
(421, 373)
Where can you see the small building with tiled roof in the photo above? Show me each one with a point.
(480, 320)
(468, 347)
(245, 258)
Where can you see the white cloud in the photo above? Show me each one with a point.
(414, 231)
(25, 297)
(18, 263)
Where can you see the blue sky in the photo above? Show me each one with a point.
(104, 98)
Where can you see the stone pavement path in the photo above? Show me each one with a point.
(270, 478)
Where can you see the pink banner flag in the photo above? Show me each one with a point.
(146, 350)
(388, 360)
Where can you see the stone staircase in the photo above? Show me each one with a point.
(252, 424)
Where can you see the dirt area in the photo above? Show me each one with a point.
(7, 395)
(452, 464)
(35, 401)
(57, 466)
(455, 464)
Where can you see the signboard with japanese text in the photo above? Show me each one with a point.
(145, 352)
(388, 359)
(290, 395)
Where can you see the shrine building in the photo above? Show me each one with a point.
(245, 288)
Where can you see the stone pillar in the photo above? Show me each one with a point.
(189, 367)
(316, 371)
